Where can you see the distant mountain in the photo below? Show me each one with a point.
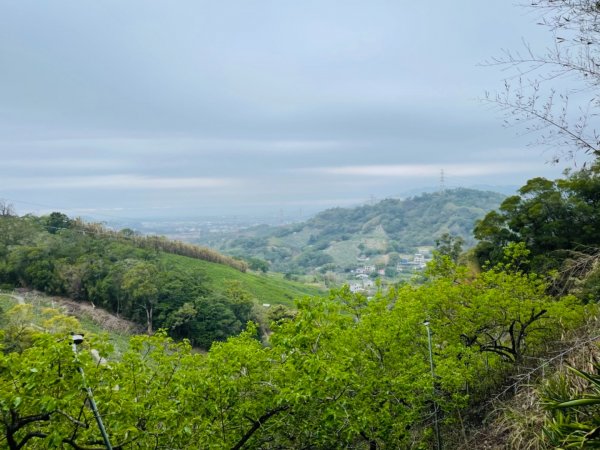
(507, 189)
(338, 237)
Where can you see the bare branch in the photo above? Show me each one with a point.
(536, 102)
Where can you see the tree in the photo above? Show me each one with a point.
(6, 209)
(533, 96)
(449, 245)
(18, 332)
(279, 313)
(140, 281)
(215, 321)
(344, 372)
(241, 300)
(552, 219)
(57, 221)
(258, 264)
(43, 405)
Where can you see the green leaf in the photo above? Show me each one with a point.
(578, 402)
(595, 380)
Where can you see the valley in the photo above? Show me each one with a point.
(389, 241)
(186, 346)
(283, 225)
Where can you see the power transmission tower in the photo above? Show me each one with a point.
(442, 181)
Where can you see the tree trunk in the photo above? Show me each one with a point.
(149, 319)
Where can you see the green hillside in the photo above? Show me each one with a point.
(266, 288)
(337, 237)
(40, 312)
(468, 358)
(152, 281)
(342, 363)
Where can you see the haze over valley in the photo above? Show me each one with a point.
(326, 224)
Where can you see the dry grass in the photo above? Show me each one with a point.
(516, 418)
(107, 321)
(82, 311)
(163, 244)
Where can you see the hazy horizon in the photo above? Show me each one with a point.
(195, 108)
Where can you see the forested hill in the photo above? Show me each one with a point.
(193, 292)
(338, 236)
(457, 359)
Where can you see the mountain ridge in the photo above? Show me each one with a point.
(338, 236)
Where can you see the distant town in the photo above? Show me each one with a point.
(364, 275)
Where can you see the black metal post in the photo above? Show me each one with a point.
(78, 339)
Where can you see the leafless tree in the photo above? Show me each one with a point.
(553, 94)
(6, 209)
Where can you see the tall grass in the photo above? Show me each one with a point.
(161, 243)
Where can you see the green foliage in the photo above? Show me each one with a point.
(338, 235)
(313, 258)
(215, 317)
(279, 313)
(574, 411)
(56, 222)
(503, 310)
(160, 243)
(140, 283)
(551, 218)
(258, 264)
(18, 332)
(120, 273)
(269, 288)
(449, 245)
(342, 372)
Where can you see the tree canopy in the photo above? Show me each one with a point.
(61, 256)
(551, 217)
(343, 372)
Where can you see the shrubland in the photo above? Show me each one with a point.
(344, 372)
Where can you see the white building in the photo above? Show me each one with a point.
(419, 260)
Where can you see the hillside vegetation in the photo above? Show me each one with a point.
(191, 297)
(410, 367)
(337, 237)
(495, 348)
(344, 373)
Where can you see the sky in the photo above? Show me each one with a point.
(191, 108)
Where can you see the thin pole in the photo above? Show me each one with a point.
(436, 425)
(90, 396)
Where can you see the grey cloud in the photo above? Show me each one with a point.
(246, 94)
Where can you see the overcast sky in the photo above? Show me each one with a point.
(193, 108)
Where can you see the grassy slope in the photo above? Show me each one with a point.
(270, 288)
(119, 340)
(6, 302)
